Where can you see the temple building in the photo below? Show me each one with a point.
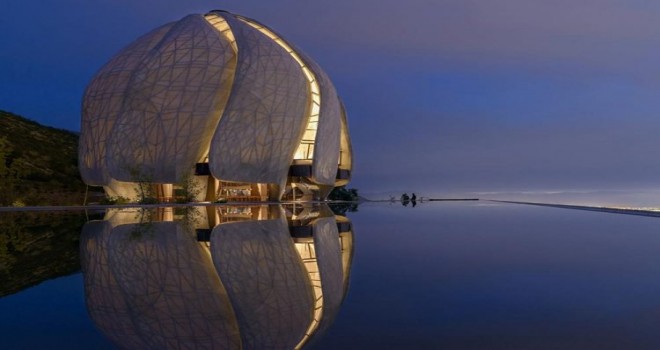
(216, 102)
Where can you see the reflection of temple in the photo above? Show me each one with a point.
(216, 277)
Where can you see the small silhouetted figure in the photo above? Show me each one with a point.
(405, 199)
(414, 197)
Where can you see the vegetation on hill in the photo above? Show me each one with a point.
(38, 246)
(38, 164)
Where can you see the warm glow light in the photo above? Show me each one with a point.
(221, 25)
(306, 148)
(305, 248)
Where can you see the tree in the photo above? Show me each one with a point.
(144, 190)
(190, 189)
(344, 194)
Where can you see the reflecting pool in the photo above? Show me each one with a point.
(456, 275)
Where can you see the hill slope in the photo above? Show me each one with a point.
(38, 164)
(38, 246)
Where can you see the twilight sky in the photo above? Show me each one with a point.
(443, 97)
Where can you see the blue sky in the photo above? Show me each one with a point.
(443, 96)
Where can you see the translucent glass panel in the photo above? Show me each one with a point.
(266, 282)
(306, 148)
(265, 115)
(151, 286)
(110, 313)
(173, 104)
(102, 105)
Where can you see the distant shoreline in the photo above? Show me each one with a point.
(451, 199)
(625, 211)
(422, 200)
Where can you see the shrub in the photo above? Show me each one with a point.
(114, 200)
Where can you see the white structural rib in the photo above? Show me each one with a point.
(172, 105)
(261, 126)
(102, 105)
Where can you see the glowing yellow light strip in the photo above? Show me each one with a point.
(221, 25)
(306, 148)
(308, 255)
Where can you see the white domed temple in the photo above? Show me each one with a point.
(220, 99)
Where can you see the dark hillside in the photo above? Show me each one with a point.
(37, 246)
(38, 164)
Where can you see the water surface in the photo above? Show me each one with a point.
(464, 275)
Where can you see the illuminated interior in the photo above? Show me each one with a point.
(305, 150)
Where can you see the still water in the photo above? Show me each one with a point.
(453, 275)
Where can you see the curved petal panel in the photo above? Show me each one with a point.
(265, 115)
(106, 304)
(173, 104)
(102, 104)
(170, 285)
(326, 145)
(266, 281)
(328, 255)
(322, 258)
